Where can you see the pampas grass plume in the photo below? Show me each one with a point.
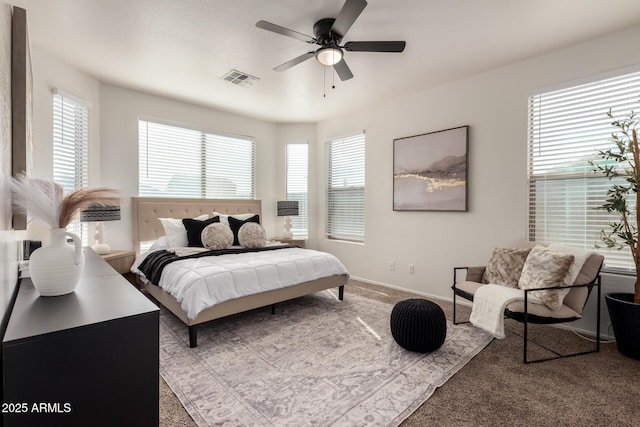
(45, 200)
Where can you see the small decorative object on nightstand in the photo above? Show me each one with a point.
(287, 208)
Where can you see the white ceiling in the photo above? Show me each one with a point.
(180, 49)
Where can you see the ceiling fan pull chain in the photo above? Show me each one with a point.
(324, 81)
(333, 75)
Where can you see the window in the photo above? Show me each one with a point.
(181, 162)
(297, 178)
(71, 149)
(566, 129)
(345, 188)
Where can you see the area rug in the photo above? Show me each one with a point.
(317, 361)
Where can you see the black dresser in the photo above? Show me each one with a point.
(89, 358)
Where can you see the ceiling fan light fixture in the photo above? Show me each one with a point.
(329, 55)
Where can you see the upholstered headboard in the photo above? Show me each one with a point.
(147, 210)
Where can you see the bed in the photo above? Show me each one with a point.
(146, 227)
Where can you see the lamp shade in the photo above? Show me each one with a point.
(287, 208)
(97, 213)
(329, 55)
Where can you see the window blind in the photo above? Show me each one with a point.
(71, 149)
(567, 128)
(182, 162)
(345, 185)
(297, 186)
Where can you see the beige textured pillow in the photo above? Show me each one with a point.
(505, 266)
(217, 236)
(252, 235)
(545, 268)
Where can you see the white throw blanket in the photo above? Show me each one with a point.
(489, 302)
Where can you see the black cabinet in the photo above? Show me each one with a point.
(87, 358)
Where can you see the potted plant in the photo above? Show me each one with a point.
(622, 164)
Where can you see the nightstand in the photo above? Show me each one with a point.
(121, 261)
(293, 241)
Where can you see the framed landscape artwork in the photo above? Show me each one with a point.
(430, 171)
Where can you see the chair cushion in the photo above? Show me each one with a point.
(545, 268)
(505, 266)
(540, 310)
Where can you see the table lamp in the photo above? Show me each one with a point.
(287, 208)
(99, 214)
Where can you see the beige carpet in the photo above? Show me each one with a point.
(317, 361)
(496, 388)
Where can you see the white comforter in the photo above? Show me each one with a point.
(200, 283)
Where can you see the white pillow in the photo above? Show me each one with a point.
(160, 244)
(580, 256)
(224, 219)
(175, 231)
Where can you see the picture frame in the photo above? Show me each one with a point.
(430, 171)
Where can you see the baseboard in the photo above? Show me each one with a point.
(461, 301)
(411, 291)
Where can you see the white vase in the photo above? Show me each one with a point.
(56, 268)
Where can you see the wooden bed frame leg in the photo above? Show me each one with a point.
(341, 293)
(193, 336)
(273, 309)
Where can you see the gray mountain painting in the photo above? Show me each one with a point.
(430, 171)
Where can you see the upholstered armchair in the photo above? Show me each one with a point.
(525, 310)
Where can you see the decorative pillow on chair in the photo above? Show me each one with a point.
(505, 266)
(217, 236)
(252, 235)
(176, 232)
(235, 225)
(194, 230)
(545, 268)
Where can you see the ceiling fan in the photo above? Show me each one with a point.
(329, 32)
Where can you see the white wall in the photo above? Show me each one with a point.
(494, 105)
(120, 109)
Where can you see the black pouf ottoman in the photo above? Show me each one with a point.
(418, 325)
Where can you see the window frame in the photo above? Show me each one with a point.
(339, 213)
(299, 223)
(77, 159)
(567, 125)
(205, 142)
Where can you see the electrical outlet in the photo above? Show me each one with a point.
(411, 269)
(392, 265)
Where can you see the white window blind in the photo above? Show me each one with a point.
(567, 127)
(297, 186)
(181, 162)
(71, 149)
(344, 160)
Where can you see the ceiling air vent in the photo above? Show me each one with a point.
(239, 78)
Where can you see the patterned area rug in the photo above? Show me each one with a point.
(317, 361)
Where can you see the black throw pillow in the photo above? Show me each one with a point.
(194, 229)
(235, 225)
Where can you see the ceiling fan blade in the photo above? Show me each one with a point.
(375, 46)
(284, 31)
(347, 16)
(343, 70)
(294, 61)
